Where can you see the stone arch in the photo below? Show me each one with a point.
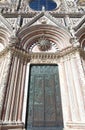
(6, 31)
(30, 35)
(82, 40)
(81, 36)
(4, 37)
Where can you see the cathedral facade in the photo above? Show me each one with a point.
(42, 64)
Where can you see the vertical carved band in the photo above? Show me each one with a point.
(5, 66)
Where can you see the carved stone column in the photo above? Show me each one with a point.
(69, 81)
(5, 66)
(25, 93)
(11, 92)
(5, 70)
(81, 87)
(64, 93)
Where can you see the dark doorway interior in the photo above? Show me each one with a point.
(44, 110)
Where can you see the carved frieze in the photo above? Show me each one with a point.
(67, 53)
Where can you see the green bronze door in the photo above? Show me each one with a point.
(44, 101)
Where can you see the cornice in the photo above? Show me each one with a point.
(28, 56)
(32, 14)
(62, 56)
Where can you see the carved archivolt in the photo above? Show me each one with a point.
(31, 35)
(4, 38)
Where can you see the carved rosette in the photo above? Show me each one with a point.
(44, 44)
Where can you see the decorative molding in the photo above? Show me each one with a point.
(76, 125)
(79, 23)
(12, 126)
(69, 51)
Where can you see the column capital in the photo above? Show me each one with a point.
(75, 41)
(13, 39)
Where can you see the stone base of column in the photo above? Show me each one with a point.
(21, 126)
(75, 126)
(8, 126)
(74, 129)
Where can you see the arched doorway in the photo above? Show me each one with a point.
(44, 47)
(44, 110)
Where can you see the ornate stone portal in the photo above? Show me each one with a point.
(30, 38)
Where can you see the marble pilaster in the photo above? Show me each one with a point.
(4, 77)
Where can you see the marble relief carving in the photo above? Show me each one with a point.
(42, 37)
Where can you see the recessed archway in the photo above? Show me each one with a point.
(30, 35)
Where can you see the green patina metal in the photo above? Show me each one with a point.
(44, 107)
